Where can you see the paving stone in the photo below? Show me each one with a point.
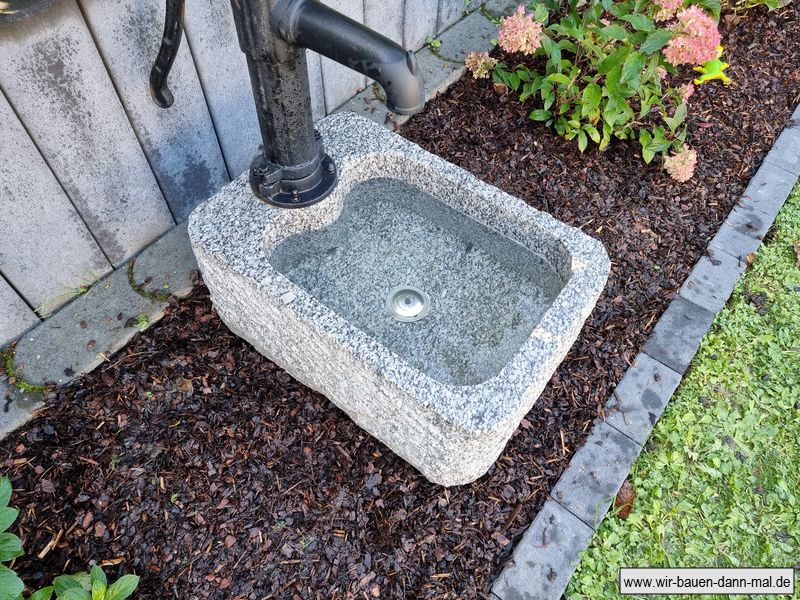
(15, 315)
(545, 558)
(712, 279)
(785, 153)
(501, 8)
(18, 407)
(796, 117)
(639, 399)
(86, 332)
(168, 266)
(449, 12)
(472, 33)
(595, 474)
(678, 334)
(768, 189)
(735, 243)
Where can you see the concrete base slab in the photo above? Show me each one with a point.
(16, 407)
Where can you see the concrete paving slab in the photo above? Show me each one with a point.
(419, 22)
(677, 335)
(712, 279)
(639, 399)
(17, 407)
(168, 266)
(472, 33)
(785, 153)
(769, 188)
(545, 558)
(588, 486)
(16, 317)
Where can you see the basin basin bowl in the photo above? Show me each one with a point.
(429, 306)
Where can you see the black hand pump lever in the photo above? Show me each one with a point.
(293, 170)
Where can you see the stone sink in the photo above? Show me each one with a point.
(430, 307)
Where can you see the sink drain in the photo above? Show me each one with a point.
(407, 303)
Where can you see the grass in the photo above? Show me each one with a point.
(719, 481)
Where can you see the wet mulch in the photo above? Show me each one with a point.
(195, 462)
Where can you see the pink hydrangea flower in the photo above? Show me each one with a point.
(662, 73)
(520, 33)
(680, 165)
(696, 38)
(667, 9)
(686, 91)
(480, 64)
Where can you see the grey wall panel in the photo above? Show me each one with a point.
(53, 76)
(15, 315)
(315, 82)
(45, 249)
(222, 67)
(419, 22)
(340, 82)
(386, 18)
(450, 11)
(180, 141)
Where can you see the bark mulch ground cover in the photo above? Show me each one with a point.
(196, 463)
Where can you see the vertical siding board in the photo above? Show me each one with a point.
(340, 82)
(180, 142)
(450, 11)
(15, 316)
(315, 82)
(419, 22)
(53, 76)
(45, 248)
(222, 67)
(386, 17)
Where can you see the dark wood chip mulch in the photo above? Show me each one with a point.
(200, 465)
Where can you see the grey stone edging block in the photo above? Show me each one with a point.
(594, 475)
(677, 335)
(86, 332)
(712, 279)
(639, 399)
(17, 407)
(545, 557)
(785, 153)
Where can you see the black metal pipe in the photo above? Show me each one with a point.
(312, 25)
(168, 50)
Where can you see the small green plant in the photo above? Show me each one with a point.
(80, 586)
(604, 71)
(142, 322)
(433, 42)
(739, 7)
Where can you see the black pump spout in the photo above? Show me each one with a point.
(312, 25)
(293, 170)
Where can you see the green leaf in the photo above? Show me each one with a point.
(63, 583)
(10, 547)
(5, 491)
(677, 120)
(77, 593)
(541, 13)
(11, 586)
(559, 78)
(97, 574)
(122, 587)
(640, 22)
(540, 115)
(613, 60)
(593, 133)
(633, 67)
(656, 41)
(98, 590)
(583, 141)
(7, 517)
(42, 594)
(615, 31)
(590, 100)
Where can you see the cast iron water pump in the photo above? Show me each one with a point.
(293, 170)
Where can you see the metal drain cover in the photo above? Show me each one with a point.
(406, 303)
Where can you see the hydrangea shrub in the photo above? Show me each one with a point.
(604, 70)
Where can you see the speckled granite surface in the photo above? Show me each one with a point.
(452, 433)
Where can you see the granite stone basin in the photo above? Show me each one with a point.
(495, 291)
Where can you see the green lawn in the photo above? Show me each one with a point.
(719, 481)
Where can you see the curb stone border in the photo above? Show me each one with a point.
(82, 334)
(548, 553)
